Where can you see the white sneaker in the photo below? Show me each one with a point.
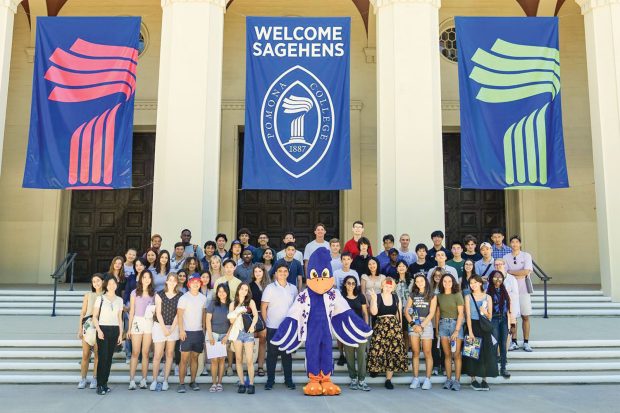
(93, 383)
(415, 383)
(427, 385)
(143, 384)
(513, 346)
(526, 347)
(132, 385)
(153, 386)
(82, 384)
(164, 386)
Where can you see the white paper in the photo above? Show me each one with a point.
(216, 350)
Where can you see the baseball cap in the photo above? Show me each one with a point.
(194, 277)
(485, 244)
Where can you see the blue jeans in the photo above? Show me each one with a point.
(500, 332)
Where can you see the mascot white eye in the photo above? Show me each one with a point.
(325, 273)
(313, 274)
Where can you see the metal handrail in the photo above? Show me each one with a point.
(544, 278)
(69, 261)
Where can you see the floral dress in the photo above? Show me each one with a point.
(387, 349)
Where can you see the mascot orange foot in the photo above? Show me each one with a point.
(320, 385)
(329, 388)
(313, 388)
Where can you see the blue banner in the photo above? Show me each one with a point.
(511, 110)
(81, 120)
(297, 104)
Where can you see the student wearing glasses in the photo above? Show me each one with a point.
(520, 265)
(356, 356)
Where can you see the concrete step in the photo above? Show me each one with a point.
(299, 366)
(538, 291)
(577, 312)
(567, 305)
(301, 379)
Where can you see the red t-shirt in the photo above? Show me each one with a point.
(352, 248)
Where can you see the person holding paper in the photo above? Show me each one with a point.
(479, 304)
(240, 309)
(217, 334)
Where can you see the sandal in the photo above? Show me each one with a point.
(260, 372)
(213, 388)
(220, 388)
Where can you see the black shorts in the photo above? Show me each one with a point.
(194, 341)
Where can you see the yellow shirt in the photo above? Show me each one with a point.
(233, 284)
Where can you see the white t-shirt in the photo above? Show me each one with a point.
(523, 261)
(194, 307)
(279, 299)
(340, 275)
(313, 246)
(108, 315)
(512, 287)
(336, 264)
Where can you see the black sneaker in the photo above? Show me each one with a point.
(101, 390)
(107, 389)
(389, 385)
(341, 360)
(268, 386)
(291, 386)
(484, 385)
(505, 374)
(251, 389)
(241, 388)
(476, 386)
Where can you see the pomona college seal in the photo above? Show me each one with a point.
(297, 121)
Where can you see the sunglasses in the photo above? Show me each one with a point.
(350, 283)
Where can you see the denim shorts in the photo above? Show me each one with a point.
(447, 326)
(427, 334)
(245, 337)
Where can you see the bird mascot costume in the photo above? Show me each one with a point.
(318, 312)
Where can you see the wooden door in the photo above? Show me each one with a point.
(105, 223)
(277, 212)
(468, 211)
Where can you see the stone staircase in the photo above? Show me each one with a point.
(68, 303)
(552, 362)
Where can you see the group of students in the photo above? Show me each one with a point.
(213, 301)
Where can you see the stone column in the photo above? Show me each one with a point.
(187, 148)
(7, 17)
(602, 30)
(409, 140)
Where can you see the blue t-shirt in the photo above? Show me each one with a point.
(295, 269)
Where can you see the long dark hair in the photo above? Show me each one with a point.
(378, 266)
(186, 265)
(139, 287)
(343, 287)
(216, 298)
(465, 280)
(504, 297)
(248, 296)
(121, 272)
(96, 275)
(158, 265)
(455, 285)
(427, 293)
(143, 262)
(154, 251)
(407, 274)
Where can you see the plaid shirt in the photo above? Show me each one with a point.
(500, 252)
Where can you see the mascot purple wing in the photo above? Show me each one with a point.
(286, 338)
(350, 329)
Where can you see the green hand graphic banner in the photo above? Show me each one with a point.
(511, 112)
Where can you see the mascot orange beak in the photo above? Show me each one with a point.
(320, 284)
